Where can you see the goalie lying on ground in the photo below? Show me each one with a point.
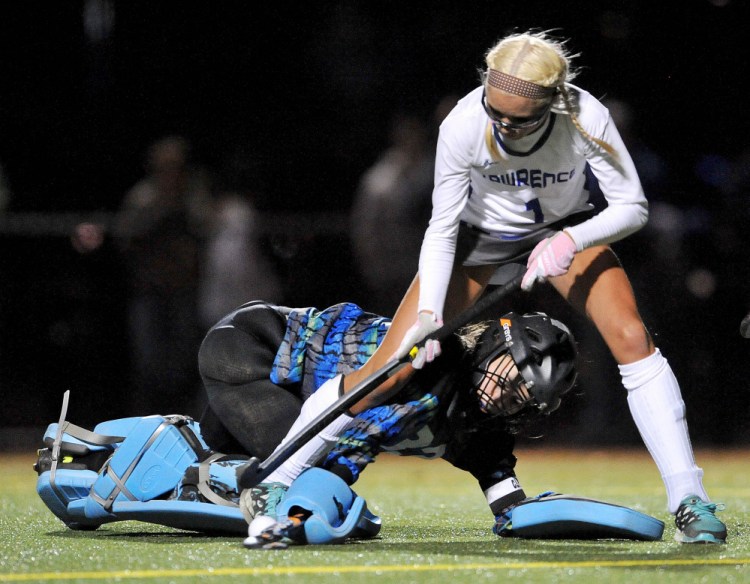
(267, 369)
(259, 364)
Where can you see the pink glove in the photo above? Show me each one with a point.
(427, 322)
(551, 257)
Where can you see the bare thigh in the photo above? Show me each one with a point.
(598, 286)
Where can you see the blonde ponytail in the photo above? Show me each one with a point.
(571, 109)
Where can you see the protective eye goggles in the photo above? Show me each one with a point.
(499, 117)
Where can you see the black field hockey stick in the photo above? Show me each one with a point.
(254, 471)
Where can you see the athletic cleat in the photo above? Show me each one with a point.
(697, 523)
(262, 500)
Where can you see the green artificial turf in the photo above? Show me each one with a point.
(436, 528)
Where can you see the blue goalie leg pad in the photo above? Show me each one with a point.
(556, 516)
(334, 512)
(70, 478)
(137, 469)
(69, 486)
(147, 465)
(189, 515)
(85, 513)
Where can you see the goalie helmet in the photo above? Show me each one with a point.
(524, 360)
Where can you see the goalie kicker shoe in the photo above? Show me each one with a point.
(696, 522)
(262, 500)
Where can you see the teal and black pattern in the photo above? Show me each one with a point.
(320, 344)
(392, 427)
(221, 479)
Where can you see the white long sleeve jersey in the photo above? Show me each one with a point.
(537, 180)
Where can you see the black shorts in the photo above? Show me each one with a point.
(247, 413)
(477, 247)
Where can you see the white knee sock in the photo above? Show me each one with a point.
(659, 413)
(318, 446)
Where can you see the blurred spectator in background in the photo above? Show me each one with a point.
(161, 229)
(5, 285)
(652, 167)
(740, 210)
(718, 284)
(745, 326)
(390, 213)
(237, 266)
(4, 191)
(695, 240)
(392, 207)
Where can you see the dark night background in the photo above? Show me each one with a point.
(305, 91)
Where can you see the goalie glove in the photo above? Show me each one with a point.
(550, 257)
(427, 322)
(319, 508)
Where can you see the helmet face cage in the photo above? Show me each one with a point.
(501, 390)
(526, 363)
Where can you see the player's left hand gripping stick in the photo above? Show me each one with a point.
(427, 322)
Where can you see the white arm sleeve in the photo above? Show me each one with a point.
(439, 245)
(612, 224)
(311, 452)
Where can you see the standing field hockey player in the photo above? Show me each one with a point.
(510, 187)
